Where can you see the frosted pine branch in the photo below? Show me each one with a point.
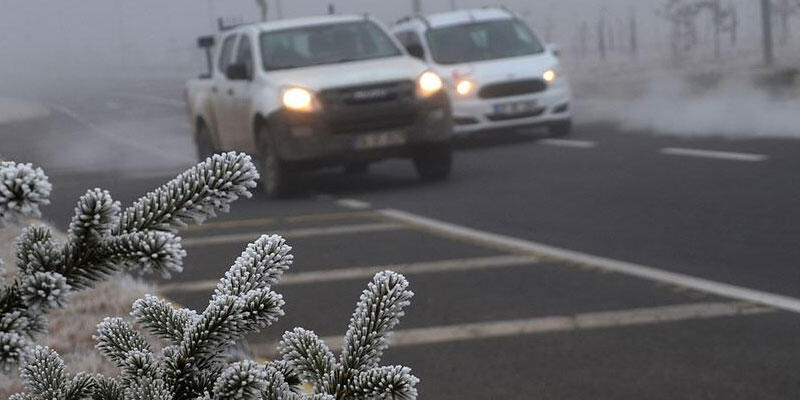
(162, 319)
(389, 383)
(23, 189)
(102, 240)
(116, 338)
(308, 356)
(260, 266)
(194, 195)
(378, 311)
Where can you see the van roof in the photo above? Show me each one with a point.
(301, 22)
(466, 16)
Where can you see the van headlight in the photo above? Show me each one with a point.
(299, 99)
(550, 75)
(464, 87)
(429, 83)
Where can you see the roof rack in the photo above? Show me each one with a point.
(413, 17)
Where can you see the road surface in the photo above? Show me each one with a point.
(609, 264)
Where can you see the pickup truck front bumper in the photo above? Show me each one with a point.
(335, 136)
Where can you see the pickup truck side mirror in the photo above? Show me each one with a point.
(555, 49)
(415, 50)
(237, 72)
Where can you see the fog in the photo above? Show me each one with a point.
(47, 44)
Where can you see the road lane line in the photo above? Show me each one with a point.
(577, 144)
(551, 324)
(353, 204)
(721, 155)
(522, 246)
(344, 274)
(164, 101)
(291, 234)
(266, 222)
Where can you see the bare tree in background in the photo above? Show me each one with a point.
(785, 10)
(262, 4)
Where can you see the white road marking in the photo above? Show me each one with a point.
(155, 99)
(529, 247)
(291, 219)
(353, 204)
(292, 234)
(578, 144)
(343, 274)
(721, 155)
(542, 325)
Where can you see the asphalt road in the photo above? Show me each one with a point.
(497, 313)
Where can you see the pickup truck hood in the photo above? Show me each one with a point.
(501, 69)
(352, 73)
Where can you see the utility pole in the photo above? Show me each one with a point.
(766, 25)
(279, 8)
(601, 37)
(416, 6)
(262, 4)
(634, 35)
(453, 5)
(331, 9)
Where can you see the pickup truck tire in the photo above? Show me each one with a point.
(275, 179)
(202, 140)
(434, 161)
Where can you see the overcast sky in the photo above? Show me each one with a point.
(60, 35)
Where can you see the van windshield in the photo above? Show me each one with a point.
(477, 41)
(325, 44)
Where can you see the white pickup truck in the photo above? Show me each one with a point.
(316, 92)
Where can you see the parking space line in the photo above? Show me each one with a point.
(577, 144)
(551, 324)
(720, 155)
(353, 204)
(266, 222)
(522, 246)
(291, 234)
(343, 274)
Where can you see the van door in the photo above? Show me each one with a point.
(220, 100)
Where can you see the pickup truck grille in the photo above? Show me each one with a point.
(369, 108)
(397, 91)
(513, 88)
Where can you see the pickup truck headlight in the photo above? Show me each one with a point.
(429, 84)
(299, 99)
(550, 75)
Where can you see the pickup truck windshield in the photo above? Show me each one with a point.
(325, 44)
(479, 41)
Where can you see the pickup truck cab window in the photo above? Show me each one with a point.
(226, 53)
(325, 44)
(244, 55)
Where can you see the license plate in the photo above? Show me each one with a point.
(515, 108)
(379, 140)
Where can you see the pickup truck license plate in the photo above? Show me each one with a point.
(516, 108)
(379, 140)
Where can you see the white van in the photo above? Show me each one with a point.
(500, 74)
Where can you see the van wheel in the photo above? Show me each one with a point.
(275, 179)
(434, 162)
(561, 128)
(202, 140)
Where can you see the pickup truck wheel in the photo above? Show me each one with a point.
(202, 139)
(275, 178)
(434, 162)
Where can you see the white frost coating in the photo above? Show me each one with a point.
(23, 189)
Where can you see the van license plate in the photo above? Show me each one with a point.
(379, 140)
(516, 108)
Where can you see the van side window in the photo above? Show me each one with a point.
(244, 55)
(411, 41)
(225, 53)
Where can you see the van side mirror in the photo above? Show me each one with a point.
(205, 42)
(415, 50)
(555, 49)
(237, 72)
